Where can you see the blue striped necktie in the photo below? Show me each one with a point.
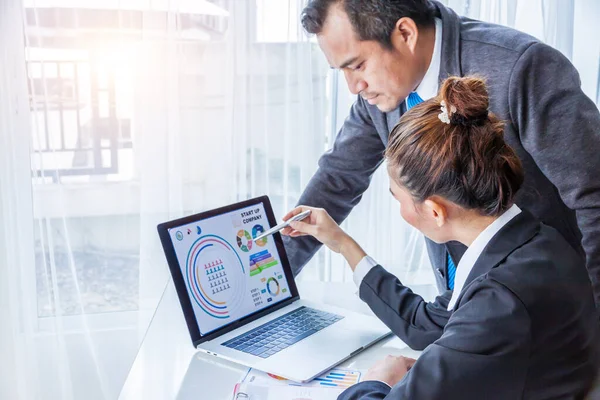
(412, 100)
(451, 271)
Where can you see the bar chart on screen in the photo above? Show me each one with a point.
(261, 261)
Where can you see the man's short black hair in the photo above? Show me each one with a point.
(371, 19)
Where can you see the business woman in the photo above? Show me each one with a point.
(521, 321)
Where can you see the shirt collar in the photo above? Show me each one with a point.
(476, 248)
(428, 88)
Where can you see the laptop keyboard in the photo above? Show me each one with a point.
(282, 332)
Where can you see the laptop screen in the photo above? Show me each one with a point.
(228, 275)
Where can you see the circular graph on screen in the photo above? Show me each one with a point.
(215, 276)
(273, 286)
(256, 231)
(244, 240)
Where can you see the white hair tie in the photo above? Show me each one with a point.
(444, 116)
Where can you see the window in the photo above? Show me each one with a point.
(95, 104)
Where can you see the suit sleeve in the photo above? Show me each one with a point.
(417, 322)
(484, 347)
(343, 175)
(560, 127)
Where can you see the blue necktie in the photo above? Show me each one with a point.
(451, 271)
(412, 100)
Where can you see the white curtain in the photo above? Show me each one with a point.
(116, 116)
(16, 228)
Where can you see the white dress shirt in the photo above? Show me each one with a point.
(467, 261)
(428, 88)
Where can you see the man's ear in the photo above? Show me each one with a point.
(437, 210)
(406, 32)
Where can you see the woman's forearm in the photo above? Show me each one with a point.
(351, 251)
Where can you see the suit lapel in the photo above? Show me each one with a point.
(450, 59)
(513, 235)
(392, 119)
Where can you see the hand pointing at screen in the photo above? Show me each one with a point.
(322, 227)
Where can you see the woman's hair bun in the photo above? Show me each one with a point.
(469, 97)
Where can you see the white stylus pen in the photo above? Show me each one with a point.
(279, 227)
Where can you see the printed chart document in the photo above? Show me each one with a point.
(258, 385)
(249, 391)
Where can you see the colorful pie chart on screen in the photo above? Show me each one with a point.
(256, 231)
(273, 286)
(244, 240)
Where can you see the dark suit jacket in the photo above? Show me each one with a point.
(524, 327)
(552, 125)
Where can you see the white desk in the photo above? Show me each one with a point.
(168, 367)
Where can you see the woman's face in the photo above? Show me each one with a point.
(422, 216)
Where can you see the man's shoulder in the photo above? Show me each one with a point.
(492, 37)
(494, 51)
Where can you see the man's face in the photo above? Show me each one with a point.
(383, 77)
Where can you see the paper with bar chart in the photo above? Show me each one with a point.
(245, 391)
(327, 386)
(341, 378)
(336, 377)
(228, 276)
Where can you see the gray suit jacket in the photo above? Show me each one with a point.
(525, 324)
(551, 124)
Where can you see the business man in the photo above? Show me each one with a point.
(394, 54)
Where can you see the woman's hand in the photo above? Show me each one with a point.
(319, 225)
(323, 228)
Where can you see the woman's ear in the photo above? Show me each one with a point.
(436, 210)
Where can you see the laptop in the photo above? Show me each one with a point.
(240, 300)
